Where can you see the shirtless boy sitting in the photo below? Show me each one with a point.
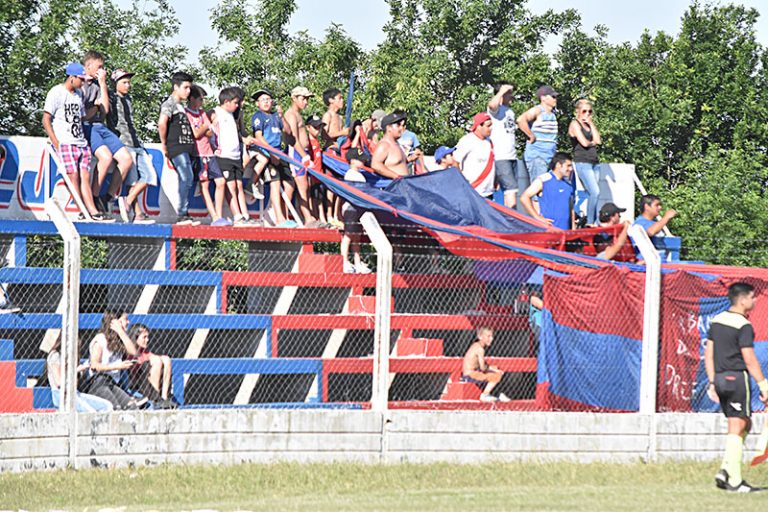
(476, 370)
(389, 159)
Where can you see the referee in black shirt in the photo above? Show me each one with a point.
(730, 359)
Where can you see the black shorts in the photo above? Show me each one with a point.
(277, 172)
(232, 170)
(734, 392)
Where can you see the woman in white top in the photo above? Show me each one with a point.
(106, 361)
(83, 402)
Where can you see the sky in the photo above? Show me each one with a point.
(364, 20)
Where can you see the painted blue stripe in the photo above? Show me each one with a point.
(6, 350)
(153, 321)
(35, 227)
(599, 370)
(31, 275)
(28, 368)
(42, 399)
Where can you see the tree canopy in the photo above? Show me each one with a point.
(688, 109)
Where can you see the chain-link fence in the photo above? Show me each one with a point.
(276, 318)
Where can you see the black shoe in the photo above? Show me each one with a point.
(743, 487)
(721, 479)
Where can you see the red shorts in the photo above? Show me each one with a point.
(74, 159)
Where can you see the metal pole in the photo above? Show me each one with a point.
(381, 336)
(69, 319)
(652, 306)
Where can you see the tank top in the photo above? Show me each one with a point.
(556, 199)
(228, 136)
(581, 153)
(544, 128)
(107, 356)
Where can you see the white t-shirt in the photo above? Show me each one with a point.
(68, 112)
(228, 136)
(107, 357)
(473, 153)
(503, 133)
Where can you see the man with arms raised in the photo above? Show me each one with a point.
(389, 159)
(729, 358)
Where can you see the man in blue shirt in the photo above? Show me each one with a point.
(555, 191)
(268, 129)
(650, 210)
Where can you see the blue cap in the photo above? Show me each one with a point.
(76, 69)
(442, 151)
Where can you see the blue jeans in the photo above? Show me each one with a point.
(536, 167)
(588, 175)
(83, 403)
(183, 165)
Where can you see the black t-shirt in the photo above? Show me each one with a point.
(730, 332)
(180, 138)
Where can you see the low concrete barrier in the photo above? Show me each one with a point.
(41, 441)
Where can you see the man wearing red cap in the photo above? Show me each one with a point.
(474, 154)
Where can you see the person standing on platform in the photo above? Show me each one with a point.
(585, 138)
(509, 178)
(539, 124)
(474, 154)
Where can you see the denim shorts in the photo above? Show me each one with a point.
(142, 168)
(99, 135)
(510, 176)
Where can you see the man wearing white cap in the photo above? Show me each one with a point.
(299, 149)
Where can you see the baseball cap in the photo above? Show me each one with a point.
(479, 119)
(547, 90)
(260, 93)
(299, 91)
(442, 152)
(378, 115)
(76, 69)
(356, 154)
(394, 117)
(314, 121)
(609, 210)
(119, 74)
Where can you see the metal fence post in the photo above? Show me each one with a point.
(650, 356)
(70, 346)
(381, 337)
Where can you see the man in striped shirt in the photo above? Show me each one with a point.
(539, 124)
(729, 358)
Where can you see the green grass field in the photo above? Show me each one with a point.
(514, 486)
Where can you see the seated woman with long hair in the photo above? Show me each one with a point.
(83, 401)
(107, 351)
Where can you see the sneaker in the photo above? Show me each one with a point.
(315, 224)
(504, 398)
(349, 268)
(287, 224)
(721, 479)
(184, 220)
(488, 398)
(222, 222)
(143, 220)
(102, 217)
(362, 268)
(743, 487)
(241, 223)
(258, 190)
(123, 207)
(254, 222)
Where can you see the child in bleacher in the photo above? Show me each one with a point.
(204, 162)
(229, 153)
(351, 214)
(151, 369)
(268, 128)
(319, 195)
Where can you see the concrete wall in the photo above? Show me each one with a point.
(40, 441)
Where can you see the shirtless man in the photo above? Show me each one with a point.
(476, 370)
(334, 126)
(299, 150)
(389, 159)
